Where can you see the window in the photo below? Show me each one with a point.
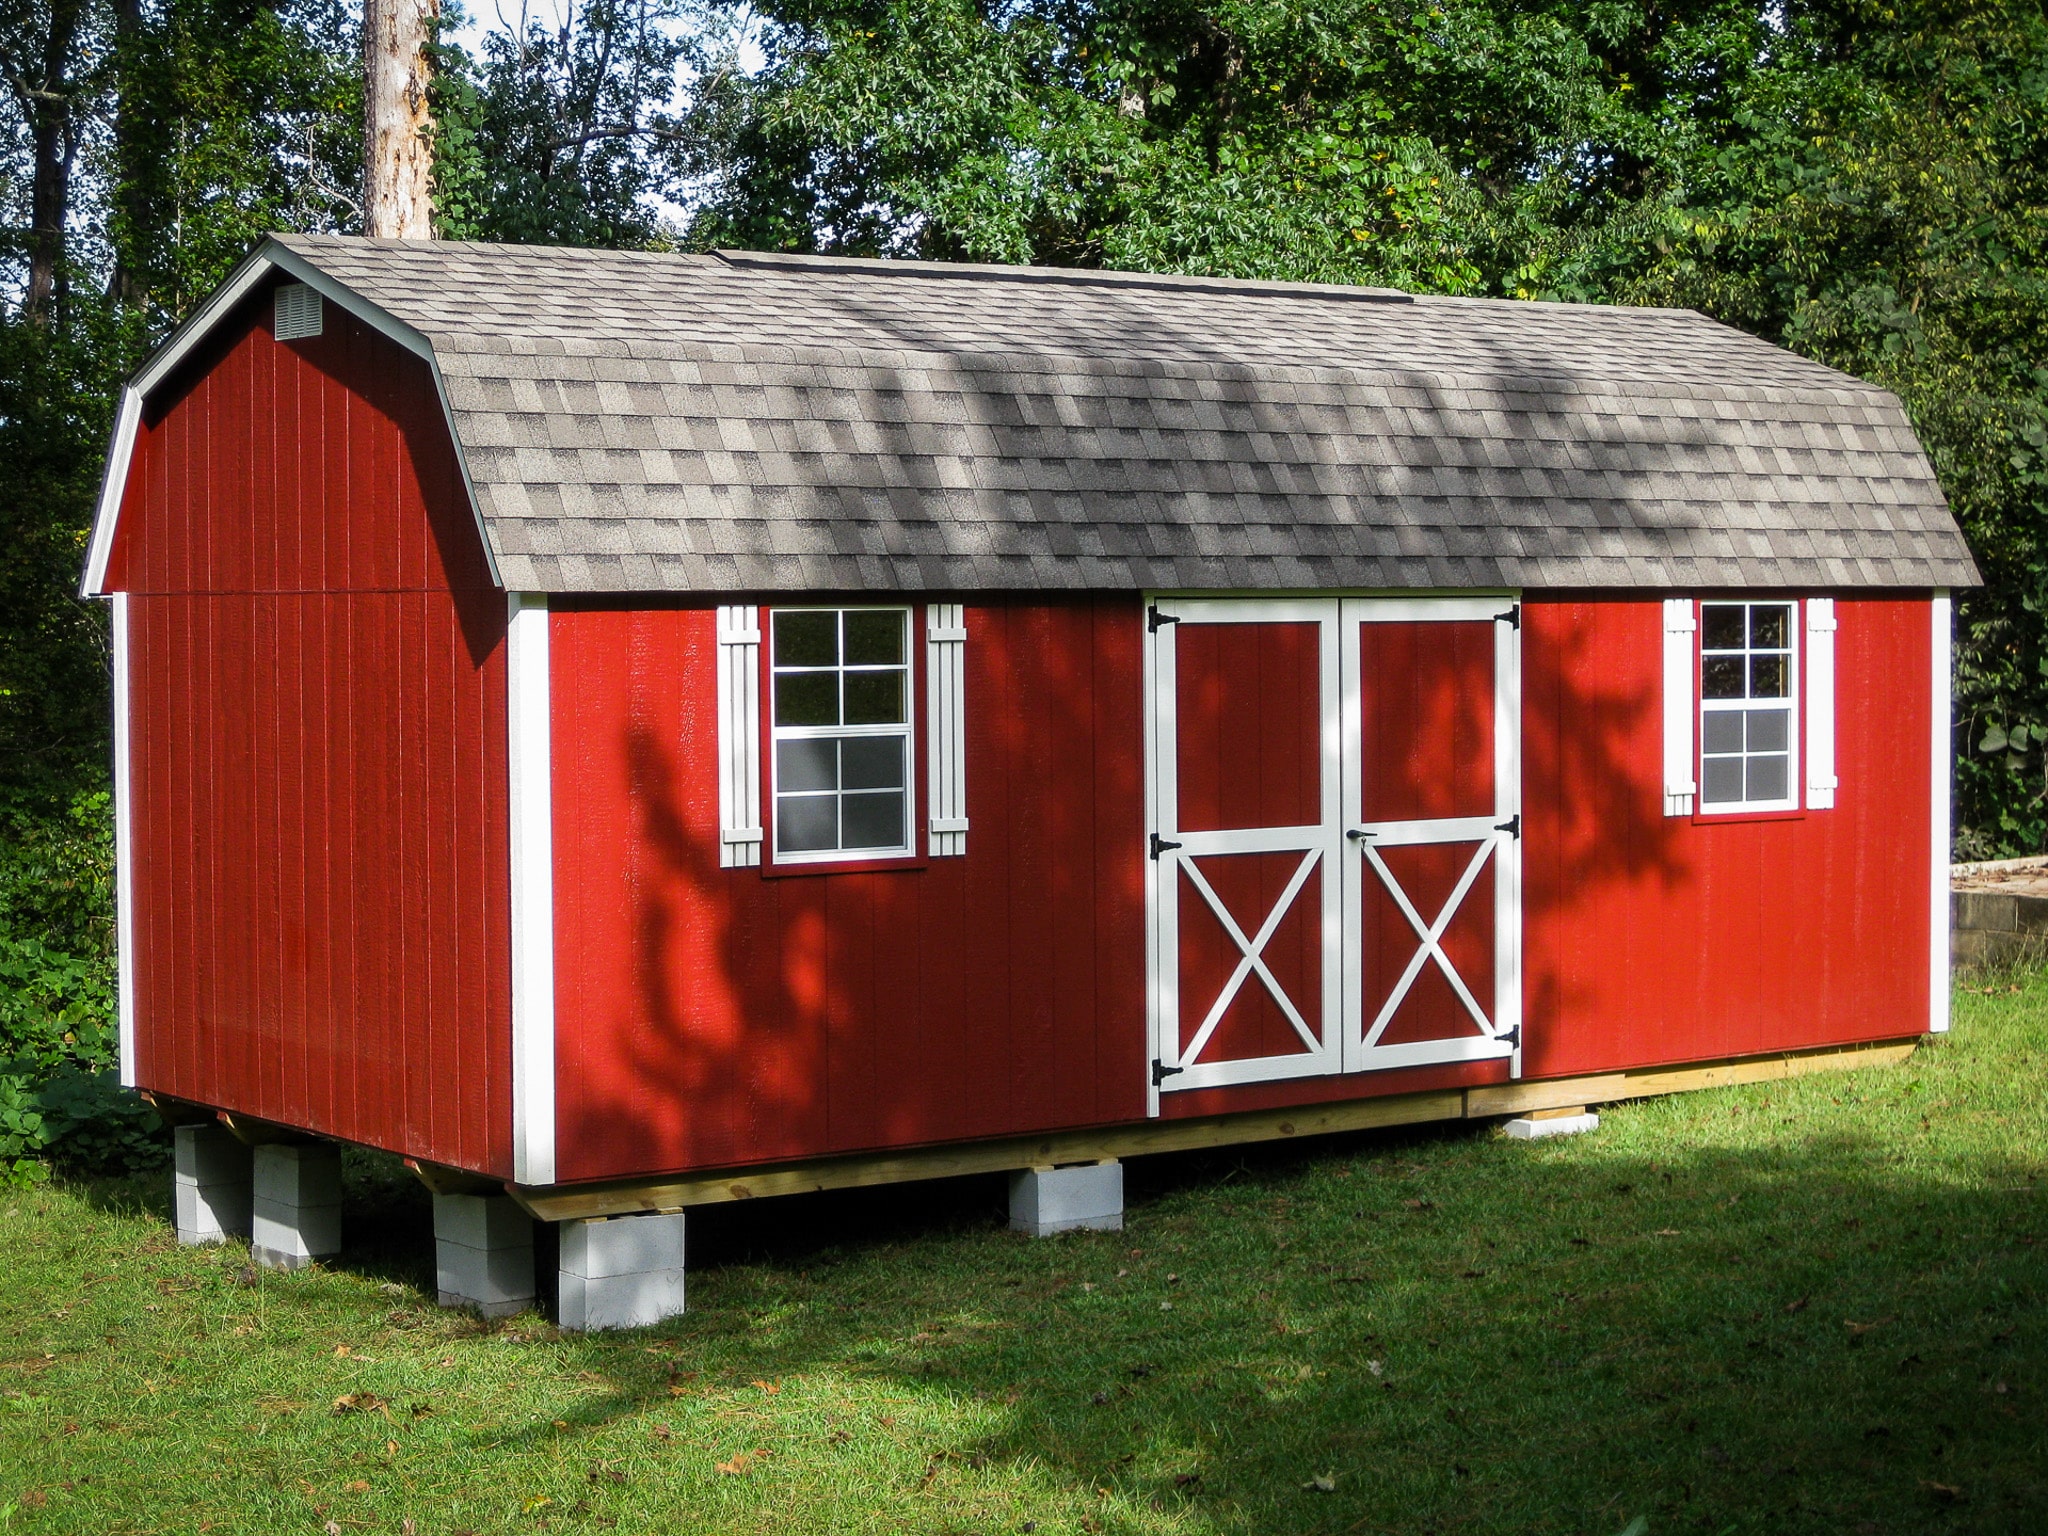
(840, 725)
(1748, 684)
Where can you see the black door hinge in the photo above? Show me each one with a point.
(1513, 1037)
(1161, 1072)
(1154, 619)
(1512, 826)
(1160, 845)
(1512, 618)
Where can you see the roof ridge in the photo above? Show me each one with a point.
(1072, 276)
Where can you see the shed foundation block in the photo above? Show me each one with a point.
(1553, 1122)
(210, 1184)
(483, 1254)
(625, 1272)
(1086, 1197)
(297, 1203)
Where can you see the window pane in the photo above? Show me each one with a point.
(875, 639)
(1767, 777)
(1722, 731)
(807, 698)
(1767, 677)
(1770, 730)
(874, 698)
(1721, 626)
(806, 823)
(1721, 781)
(1767, 626)
(872, 763)
(874, 820)
(806, 765)
(1721, 677)
(807, 639)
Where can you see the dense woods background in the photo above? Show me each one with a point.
(1866, 183)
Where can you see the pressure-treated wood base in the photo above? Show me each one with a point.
(577, 1202)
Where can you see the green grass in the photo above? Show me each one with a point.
(1814, 1306)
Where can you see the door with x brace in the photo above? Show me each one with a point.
(1248, 851)
(1432, 880)
(1334, 871)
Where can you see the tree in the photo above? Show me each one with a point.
(398, 160)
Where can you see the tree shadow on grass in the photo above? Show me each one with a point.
(1791, 1338)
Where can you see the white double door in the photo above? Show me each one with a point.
(1335, 848)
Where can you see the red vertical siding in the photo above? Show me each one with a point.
(1657, 939)
(318, 753)
(710, 1016)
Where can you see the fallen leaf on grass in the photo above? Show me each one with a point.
(1324, 1483)
(1669, 1232)
(768, 1386)
(1187, 1479)
(662, 1432)
(1947, 1493)
(1419, 1205)
(358, 1486)
(1857, 1330)
(361, 1402)
(741, 1464)
(1798, 1306)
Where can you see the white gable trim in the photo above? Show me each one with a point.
(530, 780)
(201, 324)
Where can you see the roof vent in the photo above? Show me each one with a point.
(298, 313)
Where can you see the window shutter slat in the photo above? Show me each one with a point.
(945, 642)
(1820, 704)
(1679, 706)
(739, 738)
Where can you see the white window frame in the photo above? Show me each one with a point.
(1704, 706)
(906, 731)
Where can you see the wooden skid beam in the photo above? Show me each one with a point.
(584, 1202)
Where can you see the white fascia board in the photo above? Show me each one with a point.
(530, 780)
(268, 258)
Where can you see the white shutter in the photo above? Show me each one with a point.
(1679, 707)
(945, 647)
(1820, 703)
(739, 738)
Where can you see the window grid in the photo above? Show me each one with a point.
(1748, 706)
(840, 711)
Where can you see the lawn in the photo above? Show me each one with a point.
(1813, 1306)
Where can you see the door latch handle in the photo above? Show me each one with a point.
(1359, 834)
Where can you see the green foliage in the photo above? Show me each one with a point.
(567, 136)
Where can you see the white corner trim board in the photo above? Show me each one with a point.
(271, 257)
(1941, 771)
(1820, 704)
(739, 738)
(124, 851)
(530, 779)
(1680, 784)
(945, 638)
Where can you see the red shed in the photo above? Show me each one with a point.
(626, 731)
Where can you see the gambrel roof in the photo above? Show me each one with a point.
(737, 422)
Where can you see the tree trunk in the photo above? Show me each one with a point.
(53, 144)
(126, 285)
(398, 156)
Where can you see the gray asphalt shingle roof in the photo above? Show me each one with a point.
(639, 422)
